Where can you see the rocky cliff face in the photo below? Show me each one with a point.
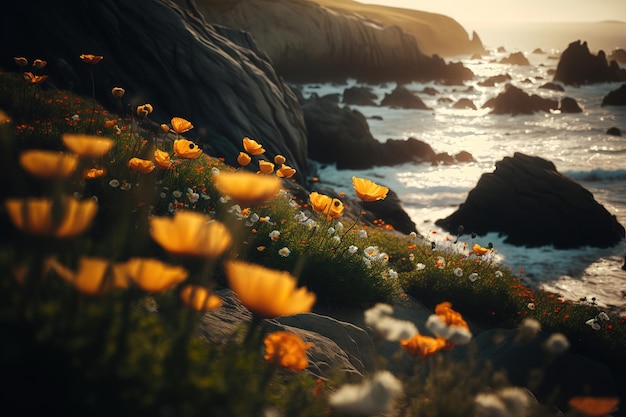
(215, 77)
(308, 42)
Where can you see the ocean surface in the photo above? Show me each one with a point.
(576, 143)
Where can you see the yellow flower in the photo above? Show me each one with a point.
(20, 61)
(143, 166)
(93, 173)
(91, 58)
(39, 63)
(190, 233)
(279, 159)
(479, 250)
(266, 167)
(48, 164)
(247, 188)
(34, 79)
(165, 128)
(95, 276)
(186, 149)
(42, 217)
(154, 276)
(162, 159)
(87, 146)
(285, 171)
(286, 350)
(366, 190)
(110, 123)
(199, 298)
(252, 146)
(266, 292)
(330, 207)
(118, 92)
(148, 107)
(243, 159)
(180, 125)
(423, 346)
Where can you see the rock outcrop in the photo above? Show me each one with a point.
(401, 97)
(615, 97)
(552, 86)
(578, 66)
(215, 77)
(308, 42)
(515, 101)
(359, 96)
(569, 105)
(516, 58)
(532, 204)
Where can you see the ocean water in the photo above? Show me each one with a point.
(576, 143)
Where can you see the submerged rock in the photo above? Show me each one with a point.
(527, 200)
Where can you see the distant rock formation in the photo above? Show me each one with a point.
(308, 42)
(516, 58)
(578, 66)
(401, 97)
(527, 200)
(515, 101)
(618, 55)
(552, 86)
(615, 97)
(464, 103)
(495, 79)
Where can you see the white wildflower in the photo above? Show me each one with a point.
(114, 183)
(224, 199)
(339, 227)
(363, 234)
(499, 274)
(373, 396)
(594, 324)
(392, 274)
(371, 252)
(252, 219)
(274, 235)
(177, 194)
(335, 240)
(412, 235)
(603, 316)
(420, 266)
(353, 249)
(557, 343)
(205, 196)
(331, 230)
(380, 320)
(411, 257)
(383, 257)
(458, 272)
(284, 252)
(528, 330)
(192, 196)
(473, 277)
(215, 171)
(457, 335)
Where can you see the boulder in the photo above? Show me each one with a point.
(552, 86)
(493, 80)
(464, 103)
(402, 98)
(217, 78)
(359, 96)
(569, 105)
(527, 200)
(429, 91)
(614, 131)
(391, 212)
(618, 55)
(615, 97)
(515, 101)
(516, 58)
(578, 66)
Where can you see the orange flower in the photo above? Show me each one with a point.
(118, 92)
(48, 164)
(423, 346)
(165, 128)
(95, 276)
(331, 207)
(186, 149)
(279, 160)
(243, 159)
(20, 61)
(162, 159)
(479, 250)
(247, 188)
(93, 173)
(39, 63)
(110, 123)
(87, 146)
(252, 146)
(154, 276)
(285, 171)
(266, 167)
(191, 233)
(43, 217)
(34, 79)
(366, 190)
(91, 58)
(286, 350)
(180, 125)
(143, 166)
(267, 293)
(594, 406)
(449, 316)
(199, 298)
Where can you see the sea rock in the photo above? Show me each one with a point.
(464, 156)
(569, 105)
(615, 97)
(552, 86)
(444, 100)
(578, 66)
(618, 55)
(359, 96)
(538, 51)
(614, 131)
(464, 103)
(429, 91)
(402, 98)
(496, 79)
(527, 200)
(391, 212)
(310, 42)
(217, 78)
(515, 101)
(516, 58)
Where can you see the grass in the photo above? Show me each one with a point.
(101, 355)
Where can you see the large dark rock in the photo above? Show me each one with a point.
(532, 204)
(215, 77)
(464, 103)
(516, 58)
(614, 131)
(615, 97)
(578, 66)
(515, 101)
(619, 55)
(552, 86)
(359, 96)
(495, 79)
(402, 97)
(569, 105)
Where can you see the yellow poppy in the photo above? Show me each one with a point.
(42, 217)
(594, 406)
(95, 276)
(247, 188)
(330, 207)
(118, 92)
(286, 350)
(190, 233)
(87, 146)
(266, 167)
(199, 298)
(279, 159)
(154, 276)
(91, 58)
(423, 346)
(243, 159)
(367, 190)
(162, 159)
(285, 171)
(110, 123)
(34, 79)
(48, 164)
(479, 250)
(180, 125)
(165, 128)
(142, 111)
(20, 61)
(186, 149)
(252, 146)
(39, 63)
(93, 173)
(143, 166)
(267, 293)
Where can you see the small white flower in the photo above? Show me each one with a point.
(265, 219)
(300, 217)
(411, 257)
(440, 262)
(457, 335)
(528, 330)
(363, 234)
(75, 117)
(473, 277)
(126, 186)
(392, 274)
(383, 257)
(499, 274)
(293, 203)
(205, 196)
(531, 306)
(215, 171)
(420, 266)
(335, 240)
(284, 252)
(114, 183)
(177, 194)
(151, 305)
(339, 227)
(353, 249)
(192, 196)
(371, 397)
(274, 235)
(557, 343)
(371, 252)
(603, 316)
(252, 219)
(412, 235)
(224, 199)
(331, 230)
(163, 195)
(367, 262)
(458, 272)
(594, 324)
